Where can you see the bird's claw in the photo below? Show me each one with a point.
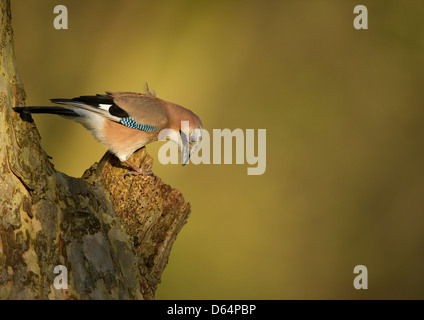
(138, 173)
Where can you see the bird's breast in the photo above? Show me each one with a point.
(124, 141)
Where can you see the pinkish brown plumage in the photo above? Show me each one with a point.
(126, 121)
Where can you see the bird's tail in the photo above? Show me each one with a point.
(62, 111)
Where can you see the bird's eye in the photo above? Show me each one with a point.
(196, 135)
(193, 138)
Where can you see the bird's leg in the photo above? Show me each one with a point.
(137, 171)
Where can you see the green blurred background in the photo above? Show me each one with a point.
(343, 110)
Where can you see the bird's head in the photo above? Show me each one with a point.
(190, 137)
(189, 128)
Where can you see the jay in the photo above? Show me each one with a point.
(127, 121)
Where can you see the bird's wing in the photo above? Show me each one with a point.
(144, 108)
(100, 104)
(133, 110)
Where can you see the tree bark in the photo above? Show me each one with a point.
(113, 234)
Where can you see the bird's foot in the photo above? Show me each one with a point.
(138, 173)
(136, 170)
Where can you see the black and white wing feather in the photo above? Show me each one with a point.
(142, 112)
(100, 104)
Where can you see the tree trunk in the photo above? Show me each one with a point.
(112, 234)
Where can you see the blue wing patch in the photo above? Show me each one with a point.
(131, 123)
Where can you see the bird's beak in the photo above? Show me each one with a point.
(186, 156)
(187, 149)
(184, 148)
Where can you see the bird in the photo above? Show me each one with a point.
(127, 121)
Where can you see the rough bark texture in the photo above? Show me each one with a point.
(113, 234)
